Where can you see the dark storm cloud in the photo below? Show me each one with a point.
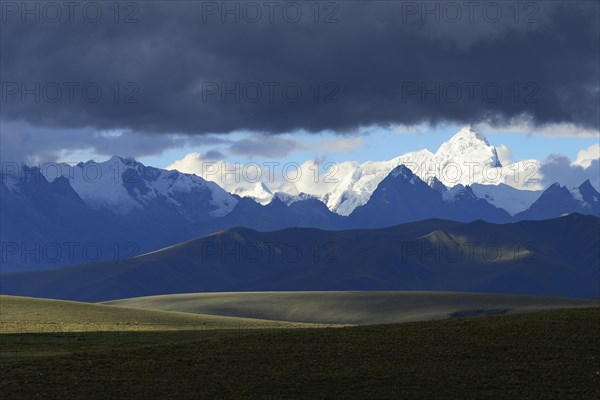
(26, 142)
(214, 155)
(180, 69)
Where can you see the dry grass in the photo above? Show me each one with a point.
(351, 307)
(25, 314)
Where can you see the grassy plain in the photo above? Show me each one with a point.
(542, 355)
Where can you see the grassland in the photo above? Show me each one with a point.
(25, 314)
(542, 355)
(350, 307)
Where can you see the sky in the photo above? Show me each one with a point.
(333, 81)
(385, 144)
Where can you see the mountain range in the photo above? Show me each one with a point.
(72, 214)
(557, 257)
(466, 158)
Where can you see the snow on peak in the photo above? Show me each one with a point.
(401, 170)
(435, 184)
(100, 185)
(466, 158)
(503, 196)
(469, 133)
(288, 199)
(450, 195)
(122, 160)
(11, 181)
(121, 185)
(257, 191)
(576, 193)
(468, 146)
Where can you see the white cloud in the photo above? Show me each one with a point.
(586, 156)
(191, 163)
(412, 129)
(319, 178)
(315, 177)
(504, 154)
(559, 168)
(342, 145)
(564, 129)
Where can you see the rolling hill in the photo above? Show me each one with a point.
(558, 257)
(23, 314)
(350, 307)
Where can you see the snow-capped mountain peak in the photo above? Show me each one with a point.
(559, 200)
(456, 192)
(466, 158)
(435, 184)
(470, 146)
(506, 197)
(257, 191)
(469, 134)
(404, 173)
(289, 199)
(121, 185)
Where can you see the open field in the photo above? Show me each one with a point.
(25, 314)
(542, 355)
(350, 307)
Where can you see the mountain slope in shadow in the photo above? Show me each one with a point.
(558, 257)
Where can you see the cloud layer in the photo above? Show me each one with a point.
(186, 68)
